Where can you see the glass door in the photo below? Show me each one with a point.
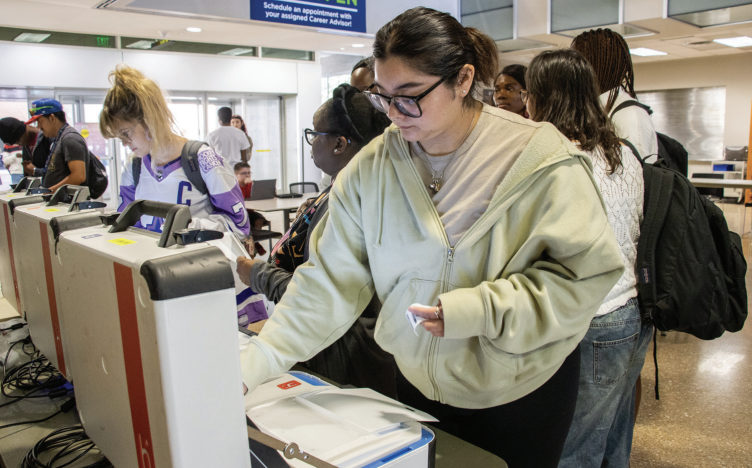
(263, 120)
(188, 110)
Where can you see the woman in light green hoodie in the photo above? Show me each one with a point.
(487, 225)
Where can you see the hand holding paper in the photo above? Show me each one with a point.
(426, 316)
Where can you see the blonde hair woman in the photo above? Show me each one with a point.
(136, 112)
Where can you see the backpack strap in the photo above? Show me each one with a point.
(189, 163)
(658, 187)
(629, 145)
(136, 170)
(631, 103)
(655, 361)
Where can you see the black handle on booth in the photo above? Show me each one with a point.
(109, 219)
(39, 191)
(88, 205)
(196, 236)
(27, 183)
(177, 217)
(69, 194)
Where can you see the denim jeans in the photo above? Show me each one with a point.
(613, 353)
(15, 178)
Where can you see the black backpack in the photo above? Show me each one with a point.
(669, 149)
(690, 268)
(96, 177)
(188, 161)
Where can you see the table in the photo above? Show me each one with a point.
(722, 183)
(726, 183)
(15, 442)
(288, 205)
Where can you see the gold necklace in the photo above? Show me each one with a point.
(436, 181)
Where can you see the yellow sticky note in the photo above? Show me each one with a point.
(84, 133)
(121, 241)
(50, 210)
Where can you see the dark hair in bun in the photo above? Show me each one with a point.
(351, 114)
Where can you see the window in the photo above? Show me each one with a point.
(493, 17)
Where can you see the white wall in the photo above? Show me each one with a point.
(636, 10)
(732, 71)
(87, 68)
(194, 72)
(55, 66)
(299, 165)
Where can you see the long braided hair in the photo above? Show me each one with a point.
(608, 53)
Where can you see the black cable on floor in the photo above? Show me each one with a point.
(31, 377)
(69, 442)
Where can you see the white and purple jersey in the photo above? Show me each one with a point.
(221, 209)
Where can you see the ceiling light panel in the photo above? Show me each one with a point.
(145, 44)
(645, 52)
(238, 51)
(31, 37)
(741, 41)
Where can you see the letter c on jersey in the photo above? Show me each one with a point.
(189, 187)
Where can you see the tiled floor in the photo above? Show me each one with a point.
(704, 416)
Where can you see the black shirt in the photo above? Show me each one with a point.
(69, 146)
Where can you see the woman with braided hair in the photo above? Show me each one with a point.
(341, 127)
(608, 53)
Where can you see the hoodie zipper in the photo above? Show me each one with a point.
(433, 345)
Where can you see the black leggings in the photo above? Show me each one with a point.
(529, 432)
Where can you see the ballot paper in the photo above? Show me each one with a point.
(349, 428)
(414, 319)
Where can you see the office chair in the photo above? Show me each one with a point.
(300, 187)
(260, 235)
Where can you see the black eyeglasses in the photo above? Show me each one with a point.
(407, 105)
(310, 135)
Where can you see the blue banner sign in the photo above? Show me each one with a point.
(346, 15)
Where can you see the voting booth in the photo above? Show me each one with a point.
(342, 427)
(20, 195)
(155, 354)
(38, 227)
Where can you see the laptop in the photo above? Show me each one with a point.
(263, 189)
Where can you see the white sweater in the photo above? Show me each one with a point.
(634, 124)
(624, 193)
(13, 160)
